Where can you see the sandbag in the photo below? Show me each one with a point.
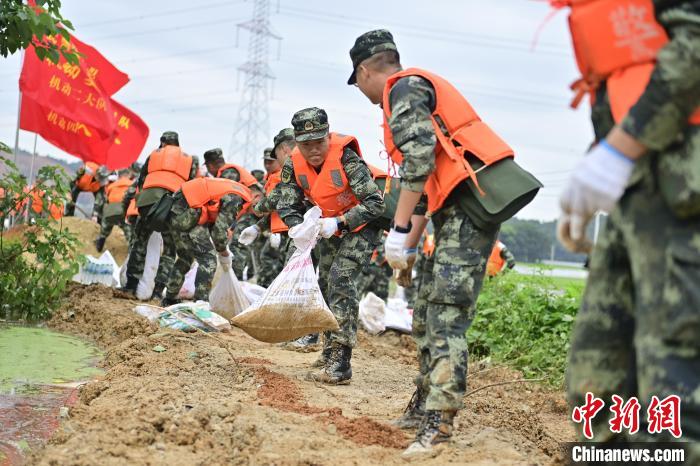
(144, 290)
(372, 313)
(398, 316)
(188, 285)
(252, 291)
(227, 297)
(293, 305)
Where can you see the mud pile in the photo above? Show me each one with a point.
(174, 398)
(87, 231)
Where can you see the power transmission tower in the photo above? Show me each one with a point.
(252, 131)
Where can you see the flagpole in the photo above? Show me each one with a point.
(31, 167)
(19, 111)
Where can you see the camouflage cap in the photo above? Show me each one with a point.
(213, 155)
(269, 154)
(259, 175)
(309, 124)
(170, 138)
(287, 134)
(368, 44)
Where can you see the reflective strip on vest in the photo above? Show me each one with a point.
(466, 133)
(168, 168)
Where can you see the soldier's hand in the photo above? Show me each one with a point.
(395, 249)
(225, 259)
(404, 277)
(248, 235)
(597, 184)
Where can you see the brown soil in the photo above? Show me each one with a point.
(193, 404)
(87, 231)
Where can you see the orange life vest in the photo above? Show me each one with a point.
(276, 223)
(206, 193)
(428, 245)
(115, 191)
(87, 181)
(615, 41)
(55, 208)
(496, 261)
(466, 134)
(329, 189)
(377, 172)
(246, 178)
(168, 168)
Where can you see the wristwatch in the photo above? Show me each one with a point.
(399, 229)
(342, 225)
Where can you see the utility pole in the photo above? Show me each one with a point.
(251, 133)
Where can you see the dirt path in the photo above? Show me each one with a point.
(192, 404)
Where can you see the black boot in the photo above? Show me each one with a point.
(157, 291)
(129, 287)
(323, 357)
(337, 370)
(436, 428)
(414, 412)
(100, 243)
(168, 301)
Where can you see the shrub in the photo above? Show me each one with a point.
(38, 258)
(526, 321)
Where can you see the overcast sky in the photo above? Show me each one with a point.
(182, 58)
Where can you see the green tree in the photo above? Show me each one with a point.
(37, 259)
(20, 24)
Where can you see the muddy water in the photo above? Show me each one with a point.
(39, 373)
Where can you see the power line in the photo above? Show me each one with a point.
(160, 14)
(175, 28)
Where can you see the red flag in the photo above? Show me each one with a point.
(71, 106)
(70, 90)
(82, 140)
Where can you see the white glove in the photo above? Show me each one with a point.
(275, 240)
(226, 261)
(597, 184)
(328, 227)
(248, 235)
(395, 250)
(112, 177)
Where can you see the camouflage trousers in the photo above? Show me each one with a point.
(638, 330)
(341, 261)
(241, 253)
(108, 223)
(375, 278)
(411, 292)
(448, 287)
(137, 253)
(192, 245)
(272, 260)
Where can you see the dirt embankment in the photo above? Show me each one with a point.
(194, 404)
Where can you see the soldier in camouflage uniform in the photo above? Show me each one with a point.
(213, 160)
(446, 302)
(638, 330)
(259, 174)
(113, 216)
(342, 255)
(130, 220)
(201, 243)
(376, 276)
(100, 176)
(142, 231)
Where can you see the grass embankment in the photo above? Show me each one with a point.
(525, 322)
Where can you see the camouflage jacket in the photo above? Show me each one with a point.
(185, 218)
(291, 206)
(231, 174)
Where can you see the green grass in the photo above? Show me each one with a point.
(540, 265)
(525, 321)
